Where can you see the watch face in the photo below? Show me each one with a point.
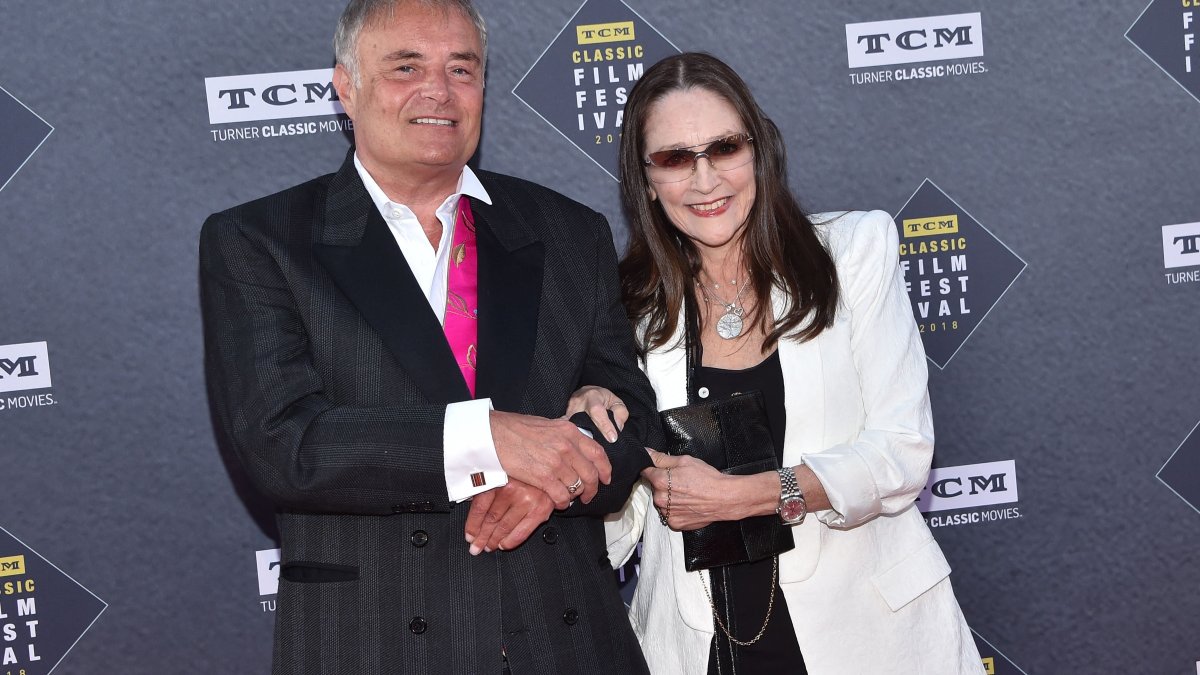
(792, 510)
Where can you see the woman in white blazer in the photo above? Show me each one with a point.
(718, 239)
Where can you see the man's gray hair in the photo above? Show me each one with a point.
(361, 12)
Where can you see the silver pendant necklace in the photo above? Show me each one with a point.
(729, 324)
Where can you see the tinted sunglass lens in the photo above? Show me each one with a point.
(675, 159)
(724, 148)
(678, 164)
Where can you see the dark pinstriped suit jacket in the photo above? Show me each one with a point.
(329, 375)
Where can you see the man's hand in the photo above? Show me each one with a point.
(503, 518)
(597, 402)
(550, 455)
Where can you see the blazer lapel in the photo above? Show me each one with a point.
(803, 390)
(666, 368)
(511, 263)
(359, 252)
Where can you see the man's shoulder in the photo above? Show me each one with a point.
(520, 191)
(283, 205)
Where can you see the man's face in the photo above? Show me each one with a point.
(419, 104)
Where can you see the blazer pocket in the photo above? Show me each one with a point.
(800, 563)
(317, 573)
(918, 572)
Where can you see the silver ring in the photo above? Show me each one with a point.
(573, 487)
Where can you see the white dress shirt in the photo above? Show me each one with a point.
(467, 443)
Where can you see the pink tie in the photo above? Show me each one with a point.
(462, 294)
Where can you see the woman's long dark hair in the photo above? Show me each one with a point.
(780, 244)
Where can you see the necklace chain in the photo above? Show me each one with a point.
(721, 301)
(729, 324)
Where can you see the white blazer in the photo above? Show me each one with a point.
(867, 587)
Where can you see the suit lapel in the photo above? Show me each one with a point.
(359, 252)
(510, 290)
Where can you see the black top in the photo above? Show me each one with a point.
(741, 592)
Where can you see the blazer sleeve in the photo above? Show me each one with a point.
(612, 363)
(883, 470)
(268, 401)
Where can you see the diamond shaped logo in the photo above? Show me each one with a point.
(47, 611)
(956, 270)
(1166, 33)
(580, 82)
(995, 663)
(1181, 473)
(22, 132)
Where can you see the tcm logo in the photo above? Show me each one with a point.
(597, 33)
(12, 566)
(271, 96)
(24, 366)
(930, 227)
(1181, 245)
(932, 38)
(268, 571)
(971, 485)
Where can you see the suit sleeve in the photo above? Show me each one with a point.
(884, 469)
(270, 408)
(612, 363)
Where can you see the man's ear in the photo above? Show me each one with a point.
(343, 83)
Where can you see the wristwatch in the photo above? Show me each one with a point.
(792, 508)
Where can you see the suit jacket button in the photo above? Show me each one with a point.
(417, 625)
(397, 508)
(550, 535)
(419, 538)
(571, 616)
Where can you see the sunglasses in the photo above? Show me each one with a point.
(676, 164)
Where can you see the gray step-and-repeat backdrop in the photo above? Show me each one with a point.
(1040, 159)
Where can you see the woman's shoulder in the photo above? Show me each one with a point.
(848, 232)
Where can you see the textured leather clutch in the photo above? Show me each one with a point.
(732, 436)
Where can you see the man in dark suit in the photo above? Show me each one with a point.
(332, 379)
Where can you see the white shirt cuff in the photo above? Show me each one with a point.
(469, 452)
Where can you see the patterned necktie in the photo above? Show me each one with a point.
(462, 294)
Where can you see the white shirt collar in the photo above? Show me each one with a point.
(468, 184)
(429, 264)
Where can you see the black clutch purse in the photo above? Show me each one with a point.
(731, 435)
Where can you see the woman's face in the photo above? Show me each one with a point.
(710, 206)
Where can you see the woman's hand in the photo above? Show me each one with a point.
(690, 494)
(597, 402)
